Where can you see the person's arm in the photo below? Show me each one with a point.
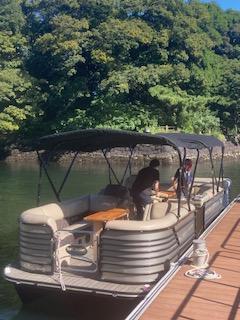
(175, 180)
(156, 186)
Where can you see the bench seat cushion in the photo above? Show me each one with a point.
(61, 215)
(40, 215)
(165, 216)
(56, 215)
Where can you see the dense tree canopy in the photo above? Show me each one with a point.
(130, 64)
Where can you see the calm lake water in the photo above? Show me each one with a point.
(18, 183)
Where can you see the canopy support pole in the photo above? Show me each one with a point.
(214, 180)
(184, 154)
(39, 184)
(49, 179)
(179, 188)
(192, 182)
(67, 173)
(184, 159)
(110, 168)
(220, 170)
(128, 165)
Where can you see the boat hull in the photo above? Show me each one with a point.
(74, 303)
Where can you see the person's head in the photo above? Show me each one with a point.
(154, 163)
(187, 164)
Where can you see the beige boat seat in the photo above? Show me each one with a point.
(158, 210)
(203, 193)
(161, 215)
(62, 222)
(59, 216)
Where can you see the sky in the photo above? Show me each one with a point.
(227, 4)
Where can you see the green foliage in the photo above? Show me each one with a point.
(63, 45)
(11, 16)
(228, 104)
(130, 64)
(11, 118)
(127, 116)
(18, 99)
(189, 113)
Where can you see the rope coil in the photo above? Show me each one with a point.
(202, 274)
(200, 263)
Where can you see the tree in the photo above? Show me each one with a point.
(129, 64)
(18, 91)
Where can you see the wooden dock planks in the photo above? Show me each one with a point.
(186, 298)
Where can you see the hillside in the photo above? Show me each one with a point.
(129, 64)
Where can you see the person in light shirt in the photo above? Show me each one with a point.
(182, 188)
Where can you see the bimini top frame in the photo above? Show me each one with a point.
(90, 140)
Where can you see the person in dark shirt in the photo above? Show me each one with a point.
(146, 178)
(182, 189)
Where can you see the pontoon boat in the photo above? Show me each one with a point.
(94, 244)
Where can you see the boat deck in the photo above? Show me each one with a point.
(73, 282)
(187, 298)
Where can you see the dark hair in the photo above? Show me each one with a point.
(154, 163)
(188, 162)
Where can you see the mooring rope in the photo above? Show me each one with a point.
(58, 261)
(201, 271)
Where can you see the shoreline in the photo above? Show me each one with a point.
(165, 154)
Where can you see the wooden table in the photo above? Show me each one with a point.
(170, 194)
(103, 216)
(98, 219)
(168, 191)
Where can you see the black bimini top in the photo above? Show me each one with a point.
(193, 141)
(90, 140)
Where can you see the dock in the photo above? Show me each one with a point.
(187, 298)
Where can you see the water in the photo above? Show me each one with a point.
(18, 183)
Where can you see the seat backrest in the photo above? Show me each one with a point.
(159, 210)
(75, 206)
(99, 202)
(116, 190)
(57, 214)
(129, 181)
